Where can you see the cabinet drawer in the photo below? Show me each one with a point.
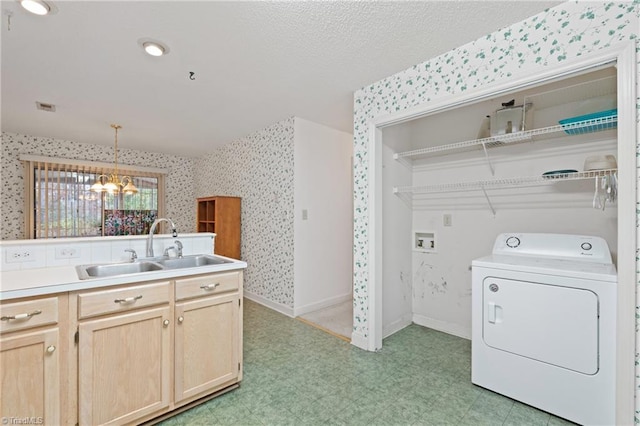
(123, 299)
(29, 314)
(206, 285)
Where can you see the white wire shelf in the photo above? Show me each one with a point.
(575, 128)
(502, 182)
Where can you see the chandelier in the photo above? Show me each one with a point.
(112, 183)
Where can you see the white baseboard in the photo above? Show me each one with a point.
(397, 325)
(445, 327)
(311, 307)
(358, 340)
(279, 307)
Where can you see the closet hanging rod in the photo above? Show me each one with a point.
(578, 127)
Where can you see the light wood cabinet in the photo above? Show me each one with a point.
(31, 356)
(124, 366)
(147, 349)
(208, 334)
(221, 215)
(123, 354)
(207, 345)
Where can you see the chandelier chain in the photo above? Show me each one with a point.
(115, 170)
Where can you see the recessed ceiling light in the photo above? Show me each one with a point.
(37, 7)
(153, 48)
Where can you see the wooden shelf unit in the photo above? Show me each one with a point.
(221, 215)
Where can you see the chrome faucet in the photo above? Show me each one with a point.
(177, 247)
(153, 229)
(133, 256)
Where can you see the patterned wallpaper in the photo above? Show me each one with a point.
(259, 168)
(565, 32)
(180, 205)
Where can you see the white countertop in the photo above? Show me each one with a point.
(39, 281)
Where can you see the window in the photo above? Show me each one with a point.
(61, 204)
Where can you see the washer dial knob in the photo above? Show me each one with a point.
(513, 242)
(586, 246)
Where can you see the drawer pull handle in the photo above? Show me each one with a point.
(20, 316)
(51, 349)
(180, 319)
(209, 286)
(165, 323)
(128, 299)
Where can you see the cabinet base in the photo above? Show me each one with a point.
(190, 405)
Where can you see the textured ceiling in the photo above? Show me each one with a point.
(254, 63)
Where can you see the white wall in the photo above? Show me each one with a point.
(322, 242)
(442, 280)
(396, 234)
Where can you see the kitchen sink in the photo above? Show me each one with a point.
(111, 269)
(86, 272)
(192, 261)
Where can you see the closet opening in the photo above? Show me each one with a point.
(536, 155)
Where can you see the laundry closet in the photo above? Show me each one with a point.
(540, 158)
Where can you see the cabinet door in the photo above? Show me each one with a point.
(30, 367)
(124, 366)
(207, 345)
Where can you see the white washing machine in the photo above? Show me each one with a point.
(544, 324)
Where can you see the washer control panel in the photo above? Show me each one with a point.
(559, 246)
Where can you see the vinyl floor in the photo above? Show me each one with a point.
(337, 319)
(295, 374)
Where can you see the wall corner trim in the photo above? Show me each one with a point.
(360, 341)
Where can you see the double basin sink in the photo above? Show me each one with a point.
(86, 272)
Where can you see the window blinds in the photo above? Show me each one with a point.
(61, 203)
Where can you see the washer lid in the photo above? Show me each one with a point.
(550, 266)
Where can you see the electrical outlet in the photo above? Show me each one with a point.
(446, 219)
(17, 255)
(67, 253)
(305, 214)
